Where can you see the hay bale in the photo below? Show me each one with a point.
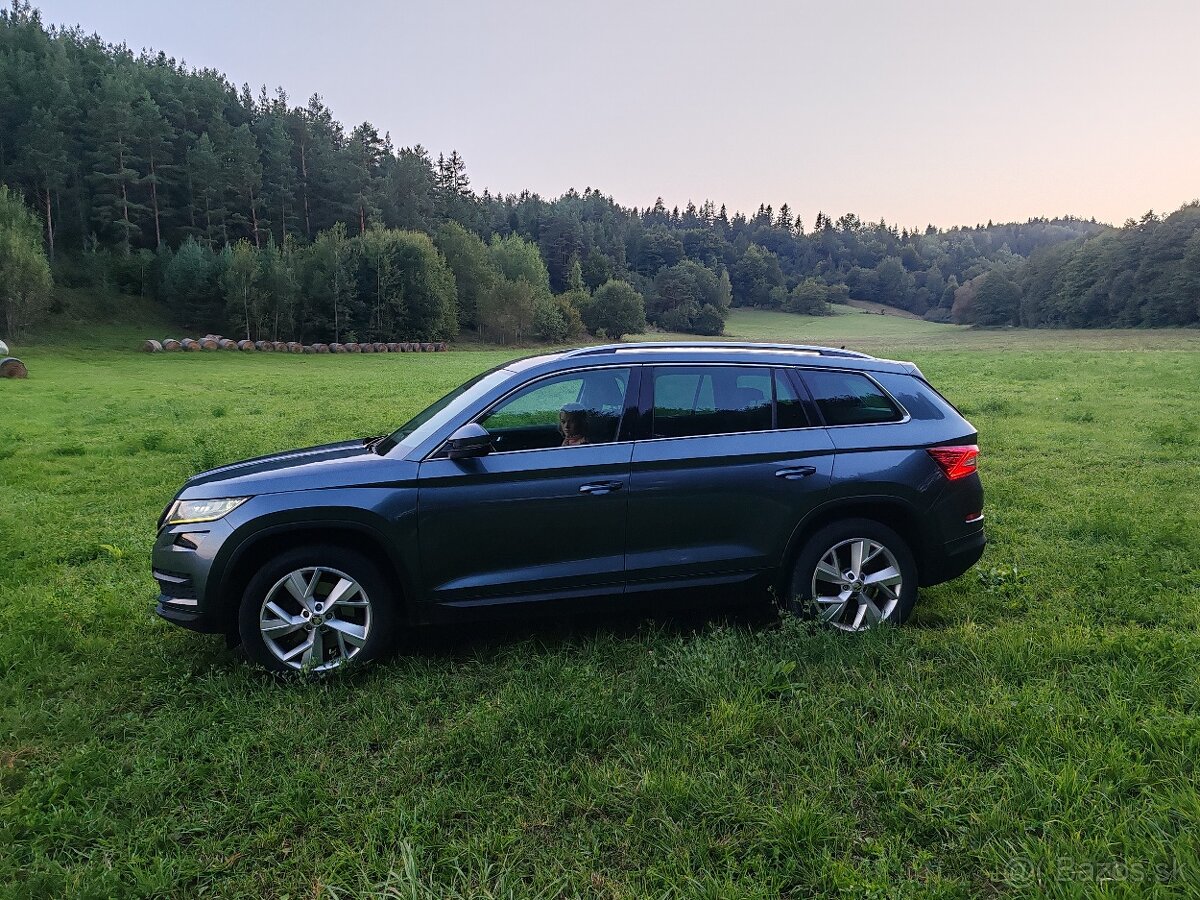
(171, 345)
(381, 348)
(11, 367)
(209, 343)
(226, 344)
(3, 349)
(151, 346)
(294, 347)
(353, 347)
(335, 347)
(192, 346)
(321, 348)
(264, 346)
(306, 348)
(393, 347)
(366, 348)
(441, 347)
(246, 346)
(280, 346)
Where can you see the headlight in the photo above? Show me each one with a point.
(184, 512)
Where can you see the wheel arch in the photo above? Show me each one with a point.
(896, 514)
(257, 548)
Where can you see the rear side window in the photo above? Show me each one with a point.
(848, 398)
(696, 400)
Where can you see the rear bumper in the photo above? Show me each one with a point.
(954, 558)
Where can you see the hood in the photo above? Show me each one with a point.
(345, 464)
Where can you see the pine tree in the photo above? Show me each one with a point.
(112, 134)
(47, 163)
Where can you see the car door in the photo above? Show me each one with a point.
(536, 517)
(728, 463)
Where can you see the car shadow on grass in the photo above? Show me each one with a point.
(560, 624)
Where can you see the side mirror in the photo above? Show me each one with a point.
(469, 441)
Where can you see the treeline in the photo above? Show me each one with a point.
(1146, 273)
(248, 212)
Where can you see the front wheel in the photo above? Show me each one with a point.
(316, 609)
(853, 575)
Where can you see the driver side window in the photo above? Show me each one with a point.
(574, 409)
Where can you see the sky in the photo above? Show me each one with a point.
(917, 112)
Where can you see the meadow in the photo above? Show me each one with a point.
(1032, 732)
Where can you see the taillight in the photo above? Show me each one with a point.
(956, 462)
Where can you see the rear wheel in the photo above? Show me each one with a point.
(317, 609)
(853, 575)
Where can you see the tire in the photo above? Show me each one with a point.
(882, 600)
(358, 627)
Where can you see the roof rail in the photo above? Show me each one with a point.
(714, 345)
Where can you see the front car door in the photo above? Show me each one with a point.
(729, 461)
(544, 513)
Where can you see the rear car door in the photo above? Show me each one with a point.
(537, 517)
(729, 461)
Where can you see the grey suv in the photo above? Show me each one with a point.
(839, 480)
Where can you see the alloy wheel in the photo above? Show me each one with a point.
(856, 585)
(315, 619)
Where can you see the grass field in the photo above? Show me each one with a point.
(1033, 733)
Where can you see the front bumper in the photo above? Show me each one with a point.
(182, 561)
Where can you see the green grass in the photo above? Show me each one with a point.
(1034, 732)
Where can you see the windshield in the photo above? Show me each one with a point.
(429, 420)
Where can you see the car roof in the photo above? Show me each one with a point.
(714, 351)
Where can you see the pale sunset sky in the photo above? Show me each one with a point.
(917, 112)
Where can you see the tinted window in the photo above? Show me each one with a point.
(710, 400)
(847, 398)
(567, 410)
(789, 408)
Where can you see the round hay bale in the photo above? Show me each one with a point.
(441, 347)
(171, 345)
(393, 347)
(428, 348)
(246, 346)
(335, 347)
(280, 346)
(305, 349)
(264, 346)
(353, 347)
(3, 349)
(192, 346)
(11, 367)
(381, 348)
(366, 348)
(210, 337)
(408, 347)
(294, 347)
(209, 343)
(152, 346)
(321, 348)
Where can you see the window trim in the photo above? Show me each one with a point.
(629, 406)
(905, 417)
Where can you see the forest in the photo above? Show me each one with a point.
(243, 211)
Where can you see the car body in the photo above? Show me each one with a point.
(697, 464)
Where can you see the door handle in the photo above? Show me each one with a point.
(600, 488)
(796, 472)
